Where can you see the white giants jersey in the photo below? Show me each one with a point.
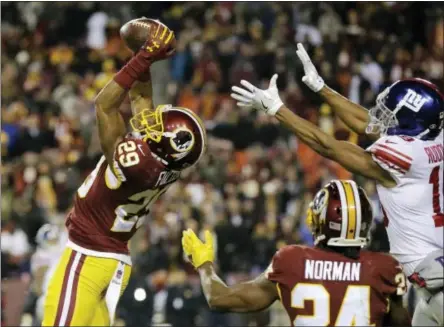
(414, 209)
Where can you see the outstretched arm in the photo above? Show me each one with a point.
(250, 296)
(349, 155)
(109, 120)
(254, 295)
(141, 95)
(352, 114)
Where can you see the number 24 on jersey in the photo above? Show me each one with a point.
(354, 309)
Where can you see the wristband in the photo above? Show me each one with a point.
(136, 69)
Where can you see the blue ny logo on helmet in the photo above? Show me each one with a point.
(412, 107)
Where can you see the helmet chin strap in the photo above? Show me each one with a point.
(423, 133)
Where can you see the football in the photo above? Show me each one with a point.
(135, 32)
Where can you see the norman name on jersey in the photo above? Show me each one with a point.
(332, 281)
(332, 270)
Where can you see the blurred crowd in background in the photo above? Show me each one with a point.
(253, 186)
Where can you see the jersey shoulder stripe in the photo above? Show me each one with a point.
(392, 159)
(406, 157)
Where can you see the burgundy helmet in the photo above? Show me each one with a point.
(340, 215)
(176, 136)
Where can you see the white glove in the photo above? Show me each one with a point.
(252, 97)
(311, 78)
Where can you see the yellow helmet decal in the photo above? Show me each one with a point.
(309, 218)
(317, 209)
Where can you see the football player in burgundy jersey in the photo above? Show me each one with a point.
(335, 283)
(406, 161)
(135, 169)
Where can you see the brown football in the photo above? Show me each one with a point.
(135, 32)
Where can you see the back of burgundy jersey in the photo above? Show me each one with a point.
(113, 202)
(324, 288)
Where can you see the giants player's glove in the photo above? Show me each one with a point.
(197, 251)
(311, 78)
(252, 97)
(156, 48)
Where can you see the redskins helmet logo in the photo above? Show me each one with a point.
(320, 201)
(182, 141)
(319, 207)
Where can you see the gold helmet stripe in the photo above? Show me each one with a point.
(351, 210)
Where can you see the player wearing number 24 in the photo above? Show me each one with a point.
(336, 283)
(406, 161)
(135, 169)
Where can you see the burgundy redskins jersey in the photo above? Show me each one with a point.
(324, 288)
(113, 202)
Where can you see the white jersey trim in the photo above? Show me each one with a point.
(393, 154)
(67, 302)
(358, 209)
(394, 158)
(344, 209)
(108, 255)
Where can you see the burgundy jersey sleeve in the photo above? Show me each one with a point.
(282, 264)
(134, 162)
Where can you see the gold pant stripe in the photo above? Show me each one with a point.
(84, 304)
(67, 300)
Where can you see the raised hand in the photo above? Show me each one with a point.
(160, 44)
(311, 78)
(252, 97)
(197, 251)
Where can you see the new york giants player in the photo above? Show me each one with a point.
(406, 161)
